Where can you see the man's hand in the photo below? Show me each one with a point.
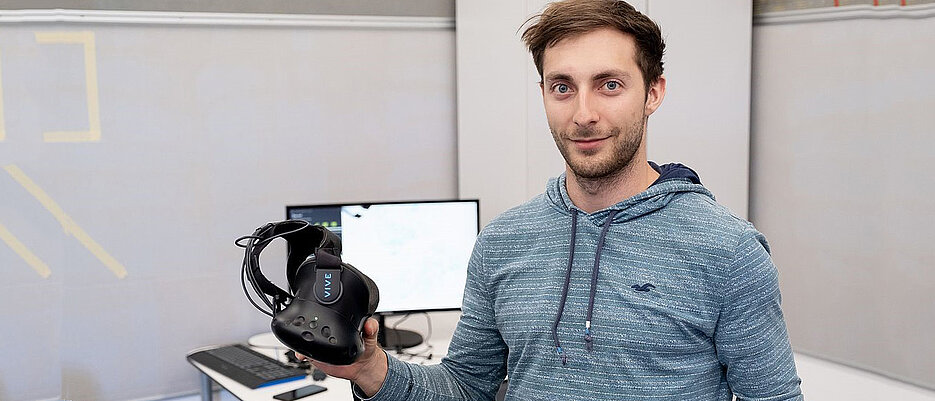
(369, 371)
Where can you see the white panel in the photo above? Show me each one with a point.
(491, 104)
(704, 121)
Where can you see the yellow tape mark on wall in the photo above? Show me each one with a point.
(93, 134)
(67, 223)
(2, 121)
(37, 264)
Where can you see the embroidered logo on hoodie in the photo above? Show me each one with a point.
(643, 288)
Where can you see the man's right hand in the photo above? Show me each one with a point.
(369, 371)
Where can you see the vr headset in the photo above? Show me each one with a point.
(323, 313)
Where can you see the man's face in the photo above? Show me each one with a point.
(595, 101)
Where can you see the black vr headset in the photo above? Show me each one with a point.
(323, 314)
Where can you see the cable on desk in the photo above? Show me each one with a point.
(408, 354)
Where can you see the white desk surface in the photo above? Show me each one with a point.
(338, 389)
(266, 343)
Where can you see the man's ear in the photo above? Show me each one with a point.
(655, 94)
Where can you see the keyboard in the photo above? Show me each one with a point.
(246, 366)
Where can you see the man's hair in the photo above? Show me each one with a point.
(567, 18)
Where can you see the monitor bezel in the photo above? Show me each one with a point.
(476, 202)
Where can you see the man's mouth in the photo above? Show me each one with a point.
(589, 143)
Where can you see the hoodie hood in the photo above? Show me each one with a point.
(674, 171)
(674, 178)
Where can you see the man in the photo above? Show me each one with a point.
(624, 280)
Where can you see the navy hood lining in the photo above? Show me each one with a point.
(674, 171)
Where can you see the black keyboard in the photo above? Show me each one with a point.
(246, 366)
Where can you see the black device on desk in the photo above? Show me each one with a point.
(300, 392)
(246, 366)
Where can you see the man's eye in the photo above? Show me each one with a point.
(612, 85)
(561, 88)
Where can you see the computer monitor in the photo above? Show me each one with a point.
(416, 252)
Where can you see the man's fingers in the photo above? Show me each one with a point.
(371, 327)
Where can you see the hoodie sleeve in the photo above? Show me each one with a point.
(476, 361)
(751, 338)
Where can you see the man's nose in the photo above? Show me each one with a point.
(585, 115)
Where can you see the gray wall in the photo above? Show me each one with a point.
(206, 132)
(842, 182)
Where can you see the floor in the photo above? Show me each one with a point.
(821, 381)
(828, 381)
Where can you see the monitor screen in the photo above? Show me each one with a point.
(416, 252)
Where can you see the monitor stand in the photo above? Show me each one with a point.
(396, 339)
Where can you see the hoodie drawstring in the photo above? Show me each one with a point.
(588, 338)
(561, 304)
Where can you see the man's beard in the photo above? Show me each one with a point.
(624, 147)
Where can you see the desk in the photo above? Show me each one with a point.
(266, 343)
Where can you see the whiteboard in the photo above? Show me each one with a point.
(133, 154)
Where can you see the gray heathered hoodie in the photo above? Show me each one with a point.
(675, 299)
